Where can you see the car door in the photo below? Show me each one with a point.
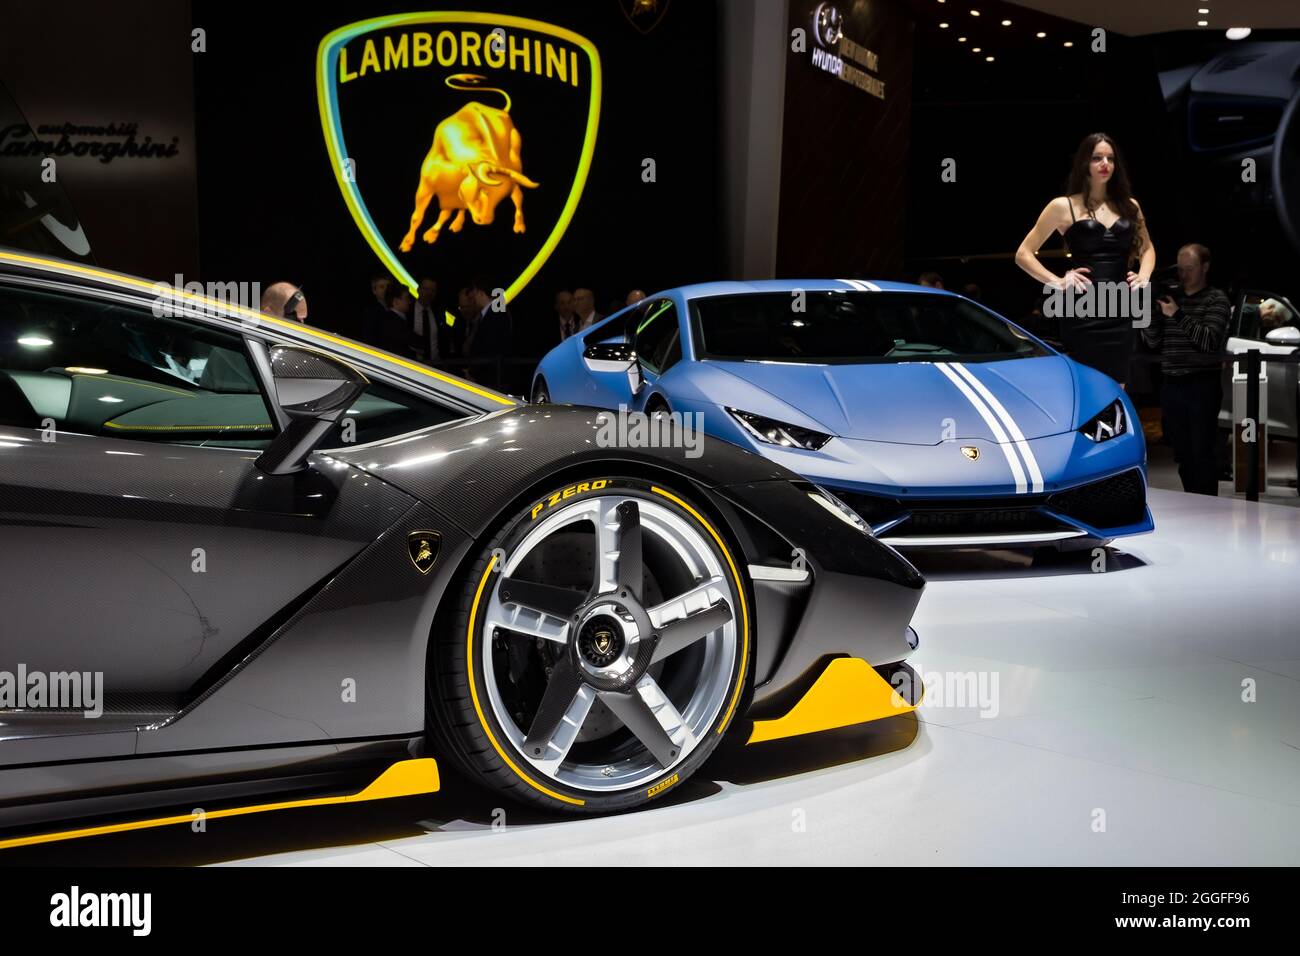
(607, 381)
(1247, 331)
(657, 339)
(139, 544)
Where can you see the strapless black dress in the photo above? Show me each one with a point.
(1104, 343)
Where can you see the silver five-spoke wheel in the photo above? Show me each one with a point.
(609, 641)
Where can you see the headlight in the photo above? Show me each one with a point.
(1109, 423)
(839, 509)
(772, 432)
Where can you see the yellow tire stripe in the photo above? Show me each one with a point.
(744, 610)
(403, 779)
(231, 309)
(478, 708)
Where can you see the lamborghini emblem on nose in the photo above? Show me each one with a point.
(423, 547)
(971, 452)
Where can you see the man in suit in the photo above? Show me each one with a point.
(490, 333)
(584, 304)
(285, 300)
(393, 329)
(426, 323)
(565, 320)
(374, 314)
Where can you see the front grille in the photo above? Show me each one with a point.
(952, 516)
(959, 521)
(1110, 503)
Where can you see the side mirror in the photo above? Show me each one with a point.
(615, 357)
(313, 389)
(609, 357)
(1287, 335)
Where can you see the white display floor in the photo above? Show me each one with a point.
(1120, 737)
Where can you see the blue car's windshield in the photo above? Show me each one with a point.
(850, 327)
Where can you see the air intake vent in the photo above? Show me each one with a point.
(1110, 503)
(1234, 61)
(1228, 125)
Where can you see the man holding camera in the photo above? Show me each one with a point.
(1190, 324)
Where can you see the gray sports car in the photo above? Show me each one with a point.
(247, 564)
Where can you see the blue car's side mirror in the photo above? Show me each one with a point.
(615, 357)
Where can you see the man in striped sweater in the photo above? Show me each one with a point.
(1186, 329)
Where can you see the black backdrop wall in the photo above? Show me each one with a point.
(1012, 125)
(844, 149)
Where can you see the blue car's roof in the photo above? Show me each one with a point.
(703, 289)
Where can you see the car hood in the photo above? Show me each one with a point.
(915, 403)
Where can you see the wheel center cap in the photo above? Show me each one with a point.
(600, 642)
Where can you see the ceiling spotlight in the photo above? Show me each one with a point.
(988, 59)
(961, 39)
(1040, 34)
(1238, 33)
(975, 49)
(943, 26)
(1068, 43)
(1202, 23)
(974, 13)
(1006, 23)
(1203, 10)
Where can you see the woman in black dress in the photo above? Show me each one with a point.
(1105, 233)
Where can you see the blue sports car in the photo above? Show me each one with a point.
(935, 421)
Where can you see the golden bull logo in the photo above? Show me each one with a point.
(452, 95)
(473, 164)
(644, 14)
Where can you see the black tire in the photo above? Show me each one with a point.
(541, 395)
(462, 723)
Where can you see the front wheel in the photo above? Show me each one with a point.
(599, 650)
(541, 396)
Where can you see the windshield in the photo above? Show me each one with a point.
(35, 215)
(854, 327)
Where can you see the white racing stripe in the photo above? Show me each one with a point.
(862, 285)
(999, 434)
(1035, 475)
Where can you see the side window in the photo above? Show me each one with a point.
(382, 412)
(100, 368)
(657, 342)
(1248, 320)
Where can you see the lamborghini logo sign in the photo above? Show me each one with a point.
(473, 164)
(644, 14)
(425, 117)
(604, 640)
(423, 547)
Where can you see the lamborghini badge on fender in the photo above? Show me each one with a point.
(422, 546)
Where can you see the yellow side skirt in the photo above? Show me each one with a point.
(848, 692)
(403, 779)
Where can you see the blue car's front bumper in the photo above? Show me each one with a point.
(916, 495)
(1079, 516)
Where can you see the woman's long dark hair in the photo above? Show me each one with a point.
(1118, 191)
